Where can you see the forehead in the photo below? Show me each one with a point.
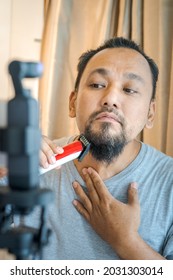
(120, 60)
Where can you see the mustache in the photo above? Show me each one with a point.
(94, 115)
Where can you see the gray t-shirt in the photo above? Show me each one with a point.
(74, 238)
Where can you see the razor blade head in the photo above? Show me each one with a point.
(86, 147)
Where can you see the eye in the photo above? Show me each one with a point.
(97, 85)
(129, 90)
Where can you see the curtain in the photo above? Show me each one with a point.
(157, 38)
(73, 26)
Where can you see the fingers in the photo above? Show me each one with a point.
(90, 186)
(97, 193)
(84, 207)
(133, 194)
(97, 187)
(48, 150)
(82, 195)
(81, 209)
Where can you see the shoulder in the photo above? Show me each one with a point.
(158, 154)
(158, 159)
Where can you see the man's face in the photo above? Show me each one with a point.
(114, 95)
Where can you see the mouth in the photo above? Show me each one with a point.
(108, 117)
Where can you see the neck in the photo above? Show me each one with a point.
(119, 163)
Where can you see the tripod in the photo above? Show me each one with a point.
(21, 141)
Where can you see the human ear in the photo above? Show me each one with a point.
(72, 104)
(151, 114)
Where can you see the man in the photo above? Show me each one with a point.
(118, 202)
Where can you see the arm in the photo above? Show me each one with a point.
(117, 223)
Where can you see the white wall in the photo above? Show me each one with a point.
(21, 26)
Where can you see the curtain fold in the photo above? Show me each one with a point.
(52, 10)
(73, 26)
(157, 40)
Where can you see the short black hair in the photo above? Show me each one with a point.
(117, 42)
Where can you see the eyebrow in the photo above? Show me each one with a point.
(133, 76)
(128, 75)
(102, 71)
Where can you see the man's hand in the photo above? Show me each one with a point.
(113, 220)
(48, 150)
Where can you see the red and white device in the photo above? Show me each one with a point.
(77, 149)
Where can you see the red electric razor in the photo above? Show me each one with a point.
(77, 149)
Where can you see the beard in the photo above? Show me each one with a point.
(105, 146)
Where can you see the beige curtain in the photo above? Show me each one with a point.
(157, 38)
(73, 26)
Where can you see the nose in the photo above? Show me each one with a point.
(111, 98)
